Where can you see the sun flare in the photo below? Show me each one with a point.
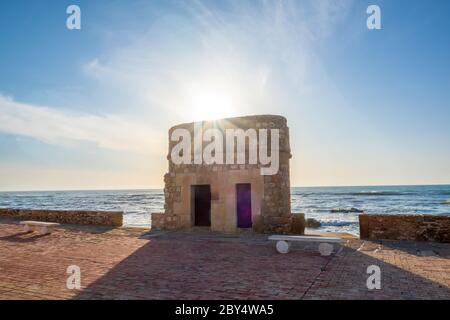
(209, 103)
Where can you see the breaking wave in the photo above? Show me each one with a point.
(337, 223)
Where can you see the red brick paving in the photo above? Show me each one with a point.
(127, 264)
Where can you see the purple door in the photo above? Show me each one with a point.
(244, 205)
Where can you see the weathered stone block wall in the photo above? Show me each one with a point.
(161, 221)
(274, 190)
(298, 223)
(405, 227)
(105, 218)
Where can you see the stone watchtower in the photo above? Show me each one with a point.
(210, 185)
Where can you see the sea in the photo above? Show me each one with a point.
(316, 202)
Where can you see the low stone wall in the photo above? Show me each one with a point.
(298, 223)
(105, 218)
(161, 221)
(404, 227)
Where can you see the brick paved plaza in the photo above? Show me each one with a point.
(134, 264)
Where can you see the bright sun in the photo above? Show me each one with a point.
(208, 103)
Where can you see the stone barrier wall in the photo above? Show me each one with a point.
(404, 227)
(298, 223)
(105, 218)
(161, 221)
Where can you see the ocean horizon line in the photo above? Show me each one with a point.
(161, 188)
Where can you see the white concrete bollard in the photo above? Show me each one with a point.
(283, 246)
(44, 230)
(325, 249)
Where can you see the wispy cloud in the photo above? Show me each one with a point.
(254, 57)
(252, 52)
(238, 57)
(59, 127)
(329, 13)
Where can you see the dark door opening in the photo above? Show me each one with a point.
(244, 205)
(201, 201)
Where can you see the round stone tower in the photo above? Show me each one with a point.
(229, 175)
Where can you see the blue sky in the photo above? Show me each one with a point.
(90, 108)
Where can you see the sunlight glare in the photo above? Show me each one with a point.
(209, 103)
